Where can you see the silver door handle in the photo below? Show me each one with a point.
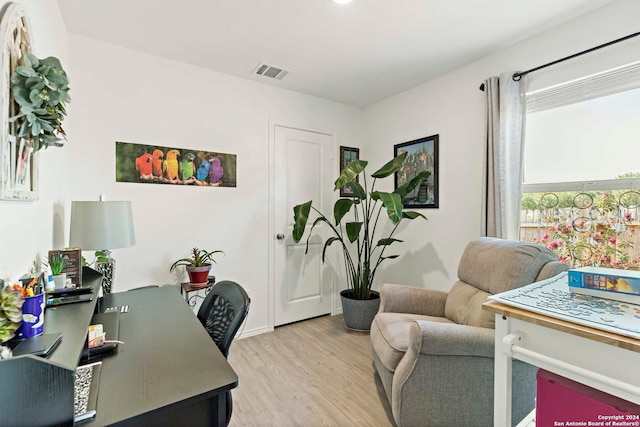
(280, 236)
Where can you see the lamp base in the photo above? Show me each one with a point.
(108, 269)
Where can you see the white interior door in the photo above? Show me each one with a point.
(303, 171)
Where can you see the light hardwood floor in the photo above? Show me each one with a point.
(310, 373)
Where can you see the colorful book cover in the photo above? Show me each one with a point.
(611, 283)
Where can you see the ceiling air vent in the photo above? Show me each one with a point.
(270, 71)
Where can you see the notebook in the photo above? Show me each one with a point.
(69, 299)
(41, 345)
(63, 292)
(111, 326)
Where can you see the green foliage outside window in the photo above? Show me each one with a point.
(595, 228)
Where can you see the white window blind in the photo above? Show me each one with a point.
(582, 133)
(605, 83)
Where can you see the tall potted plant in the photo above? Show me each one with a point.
(356, 234)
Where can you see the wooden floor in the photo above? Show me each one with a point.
(310, 373)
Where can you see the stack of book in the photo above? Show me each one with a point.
(609, 283)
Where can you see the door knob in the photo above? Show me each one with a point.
(280, 236)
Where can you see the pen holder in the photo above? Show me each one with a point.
(32, 317)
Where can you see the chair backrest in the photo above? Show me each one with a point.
(489, 266)
(223, 311)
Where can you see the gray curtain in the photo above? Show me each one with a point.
(502, 179)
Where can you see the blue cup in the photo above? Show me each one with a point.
(32, 317)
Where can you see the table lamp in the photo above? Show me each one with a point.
(101, 226)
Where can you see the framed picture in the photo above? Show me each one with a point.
(155, 164)
(347, 155)
(18, 162)
(422, 155)
(23, 167)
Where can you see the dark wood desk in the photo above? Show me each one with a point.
(168, 372)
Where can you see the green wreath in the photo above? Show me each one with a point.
(40, 87)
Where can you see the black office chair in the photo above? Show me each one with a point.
(221, 313)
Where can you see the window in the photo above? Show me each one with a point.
(581, 188)
(595, 140)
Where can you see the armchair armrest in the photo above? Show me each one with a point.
(447, 373)
(409, 299)
(451, 339)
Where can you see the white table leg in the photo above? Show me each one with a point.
(502, 376)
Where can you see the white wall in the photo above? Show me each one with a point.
(29, 229)
(453, 107)
(120, 94)
(124, 95)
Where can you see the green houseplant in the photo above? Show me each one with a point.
(197, 265)
(57, 263)
(10, 312)
(40, 87)
(362, 251)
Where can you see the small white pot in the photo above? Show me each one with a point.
(60, 280)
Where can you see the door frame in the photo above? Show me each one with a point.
(273, 123)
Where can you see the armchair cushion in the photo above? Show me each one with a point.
(497, 265)
(464, 306)
(490, 266)
(390, 340)
(409, 299)
(451, 339)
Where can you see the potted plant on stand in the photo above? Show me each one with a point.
(197, 266)
(356, 234)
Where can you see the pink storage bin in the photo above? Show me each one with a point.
(563, 402)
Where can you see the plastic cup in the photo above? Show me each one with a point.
(32, 317)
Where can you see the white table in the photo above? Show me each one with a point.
(599, 359)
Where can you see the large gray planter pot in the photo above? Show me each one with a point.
(358, 314)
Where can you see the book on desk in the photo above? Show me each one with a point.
(111, 325)
(609, 283)
(66, 296)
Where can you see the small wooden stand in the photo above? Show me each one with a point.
(188, 288)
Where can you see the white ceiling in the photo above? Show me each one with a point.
(357, 54)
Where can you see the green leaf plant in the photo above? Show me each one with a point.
(56, 264)
(356, 234)
(199, 257)
(40, 87)
(10, 313)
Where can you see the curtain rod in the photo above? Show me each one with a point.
(517, 76)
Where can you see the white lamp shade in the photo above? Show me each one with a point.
(98, 225)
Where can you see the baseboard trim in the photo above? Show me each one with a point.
(253, 332)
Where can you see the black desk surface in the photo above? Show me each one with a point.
(72, 321)
(168, 360)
